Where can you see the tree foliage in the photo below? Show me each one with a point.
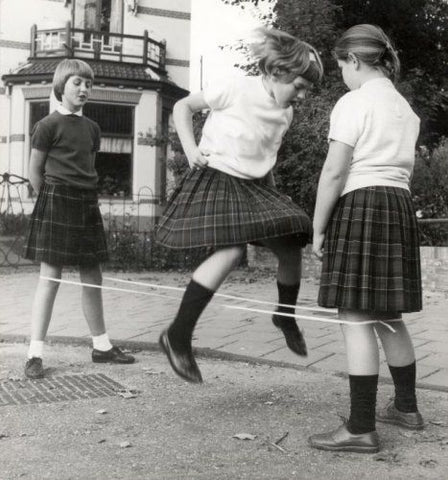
(417, 28)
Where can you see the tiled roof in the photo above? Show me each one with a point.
(102, 70)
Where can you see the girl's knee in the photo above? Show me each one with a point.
(91, 274)
(234, 253)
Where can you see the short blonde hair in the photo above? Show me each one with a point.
(66, 69)
(280, 54)
(369, 44)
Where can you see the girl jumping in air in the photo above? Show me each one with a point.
(66, 227)
(365, 231)
(228, 199)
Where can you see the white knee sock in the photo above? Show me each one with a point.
(101, 342)
(36, 348)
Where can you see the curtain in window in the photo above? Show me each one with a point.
(116, 16)
(87, 14)
(116, 145)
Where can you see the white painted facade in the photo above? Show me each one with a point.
(165, 21)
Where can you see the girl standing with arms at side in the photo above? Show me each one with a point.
(365, 230)
(66, 226)
(228, 199)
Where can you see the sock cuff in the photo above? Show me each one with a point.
(101, 342)
(363, 382)
(36, 348)
(296, 286)
(196, 288)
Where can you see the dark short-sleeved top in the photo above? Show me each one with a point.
(70, 142)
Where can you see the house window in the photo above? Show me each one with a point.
(114, 160)
(100, 15)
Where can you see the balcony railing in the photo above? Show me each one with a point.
(95, 45)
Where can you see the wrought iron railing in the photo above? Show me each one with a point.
(129, 225)
(13, 219)
(97, 45)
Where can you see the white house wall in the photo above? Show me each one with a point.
(166, 20)
(17, 17)
(144, 172)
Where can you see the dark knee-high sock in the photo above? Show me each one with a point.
(362, 403)
(404, 381)
(195, 299)
(287, 294)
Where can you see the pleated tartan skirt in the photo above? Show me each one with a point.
(212, 209)
(66, 227)
(371, 253)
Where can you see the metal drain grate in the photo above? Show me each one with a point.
(57, 389)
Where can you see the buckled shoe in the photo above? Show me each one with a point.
(390, 414)
(114, 355)
(34, 368)
(184, 364)
(293, 336)
(341, 440)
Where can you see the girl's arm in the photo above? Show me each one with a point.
(36, 172)
(331, 183)
(270, 179)
(183, 120)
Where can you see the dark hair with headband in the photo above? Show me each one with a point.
(370, 45)
(280, 54)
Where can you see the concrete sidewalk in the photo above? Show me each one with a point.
(89, 421)
(136, 320)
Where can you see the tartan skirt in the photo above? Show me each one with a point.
(213, 209)
(66, 227)
(371, 253)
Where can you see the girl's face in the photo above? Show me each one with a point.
(76, 92)
(286, 93)
(350, 69)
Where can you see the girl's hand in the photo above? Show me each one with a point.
(318, 244)
(197, 159)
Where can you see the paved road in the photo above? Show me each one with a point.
(135, 317)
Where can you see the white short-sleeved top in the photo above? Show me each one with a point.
(382, 128)
(245, 127)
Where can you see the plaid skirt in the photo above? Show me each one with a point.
(371, 253)
(66, 227)
(212, 209)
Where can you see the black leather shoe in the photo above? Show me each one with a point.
(293, 336)
(114, 355)
(341, 440)
(183, 364)
(390, 414)
(34, 368)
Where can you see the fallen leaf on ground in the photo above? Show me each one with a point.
(244, 436)
(428, 462)
(439, 423)
(127, 393)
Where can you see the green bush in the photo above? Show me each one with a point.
(430, 182)
(13, 224)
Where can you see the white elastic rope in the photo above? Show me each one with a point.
(234, 307)
(222, 295)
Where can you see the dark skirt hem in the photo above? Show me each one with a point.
(213, 209)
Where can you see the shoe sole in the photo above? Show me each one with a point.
(35, 377)
(112, 361)
(163, 342)
(302, 353)
(347, 449)
(398, 423)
